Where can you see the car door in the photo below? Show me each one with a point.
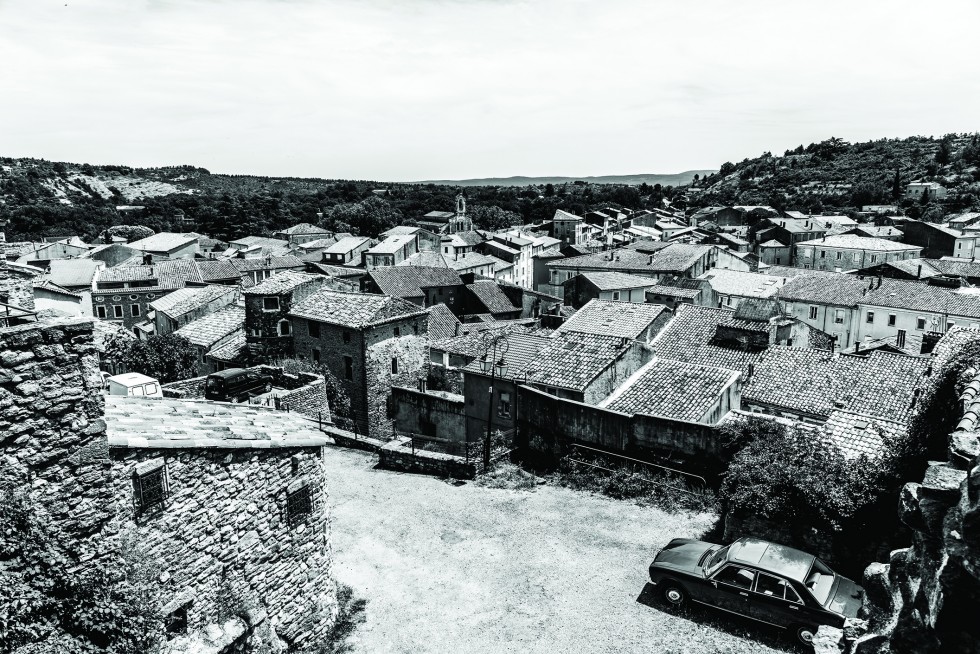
(732, 585)
(774, 600)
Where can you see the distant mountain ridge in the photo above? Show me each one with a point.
(673, 179)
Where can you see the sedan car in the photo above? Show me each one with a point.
(771, 583)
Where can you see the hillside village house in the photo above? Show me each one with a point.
(369, 342)
(391, 251)
(167, 245)
(259, 246)
(302, 233)
(569, 228)
(124, 293)
(636, 322)
(616, 286)
(937, 240)
(827, 301)
(459, 244)
(211, 331)
(515, 250)
(176, 309)
(851, 252)
(732, 286)
(931, 191)
(905, 308)
(346, 251)
(268, 328)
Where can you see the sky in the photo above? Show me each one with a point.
(402, 90)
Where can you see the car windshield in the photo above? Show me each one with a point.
(820, 581)
(716, 560)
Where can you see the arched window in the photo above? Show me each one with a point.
(284, 328)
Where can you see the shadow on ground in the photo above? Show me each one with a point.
(731, 624)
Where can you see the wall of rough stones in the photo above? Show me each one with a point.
(52, 435)
(396, 455)
(431, 413)
(225, 525)
(17, 287)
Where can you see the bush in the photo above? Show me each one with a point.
(504, 474)
(350, 613)
(167, 358)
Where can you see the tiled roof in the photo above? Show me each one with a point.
(283, 282)
(855, 242)
(168, 274)
(150, 423)
(757, 310)
(426, 260)
(817, 382)
(921, 296)
(408, 281)
(565, 216)
(607, 281)
(260, 241)
(402, 230)
(304, 228)
(232, 350)
(772, 243)
(347, 244)
(673, 291)
(743, 284)
(209, 329)
(442, 323)
(788, 271)
(640, 258)
(268, 263)
(522, 350)
(912, 267)
(128, 274)
(54, 288)
(826, 288)
(572, 360)
(391, 244)
(881, 231)
(690, 337)
(800, 226)
(215, 269)
(189, 298)
(72, 272)
(949, 266)
(162, 242)
(609, 318)
(855, 434)
(473, 260)
(671, 389)
(490, 296)
(356, 310)
(318, 244)
(464, 239)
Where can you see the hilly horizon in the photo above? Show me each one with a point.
(664, 179)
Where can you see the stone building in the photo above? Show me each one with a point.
(174, 310)
(222, 496)
(851, 252)
(268, 330)
(369, 342)
(124, 293)
(212, 331)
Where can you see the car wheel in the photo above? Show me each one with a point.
(805, 634)
(674, 596)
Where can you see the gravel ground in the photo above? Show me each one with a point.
(464, 569)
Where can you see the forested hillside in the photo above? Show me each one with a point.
(834, 175)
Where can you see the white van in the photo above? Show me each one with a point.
(135, 384)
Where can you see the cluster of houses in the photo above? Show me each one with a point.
(617, 310)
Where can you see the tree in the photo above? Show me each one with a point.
(944, 154)
(897, 186)
(167, 358)
(369, 217)
(129, 232)
(493, 217)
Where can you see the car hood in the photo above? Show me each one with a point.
(847, 599)
(682, 553)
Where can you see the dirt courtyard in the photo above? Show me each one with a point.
(470, 569)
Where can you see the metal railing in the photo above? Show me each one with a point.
(630, 464)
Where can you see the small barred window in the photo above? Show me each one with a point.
(299, 503)
(151, 486)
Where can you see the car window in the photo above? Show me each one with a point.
(736, 576)
(150, 388)
(136, 390)
(775, 587)
(819, 581)
(791, 595)
(717, 559)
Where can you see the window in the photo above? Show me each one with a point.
(871, 318)
(891, 319)
(823, 254)
(775, 587)
(316, 355)
(778, 261)
(299, 502)
(284, 328)
(270, 304)
(134, 309)
(920, 322)
(615, 295)
(900, 338)
(117, 311)
(348, 368)
(813, 313)
(150, 486)
(839, 256)
(874, 258)
(734, 575)
(347, 337)
(503, 405)
(176, 622)
(398, 332)
(950, 325)
(314, 329)
(100, 311)
(394, 365)
(839, 316)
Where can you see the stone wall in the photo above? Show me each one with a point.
(412, 355)
(17, 287)
(397, 455)
(225, 526)
(52, 435)
(430, 413)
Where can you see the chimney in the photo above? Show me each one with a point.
(423, 383)
(879, 282)
(918, 274)
(650, 262)
(147, 259)
(857, 347)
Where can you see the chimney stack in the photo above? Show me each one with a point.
(147, 259)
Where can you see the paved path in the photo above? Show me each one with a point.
(469, 569)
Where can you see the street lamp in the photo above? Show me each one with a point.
(496, 368)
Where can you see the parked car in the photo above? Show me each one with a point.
(132, 383)
(236, 384)
(771, 583)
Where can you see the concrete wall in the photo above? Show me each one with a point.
(226, 518)
(431, 413)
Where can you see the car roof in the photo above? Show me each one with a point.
(228, 372)
(131, 378)
(786, 561)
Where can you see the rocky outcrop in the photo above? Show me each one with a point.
(927, 598)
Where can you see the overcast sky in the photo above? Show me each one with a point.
(422, 89)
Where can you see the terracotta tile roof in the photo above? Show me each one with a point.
(318, 244)
(490, 296)
(391, 244)
(347, 244)
(856, 242)
(673, 291)
(743, 284)
(565, 216)
(188, 299)
(166, 423)
(608, 281)
(951, 266)
(162, 242)
(232, 350)
(442, 323)
(522, 349)
(671, 389)
(790, 271)
(283, 282)
(639, 258)
(757, 310)
(209, 329)
(261, 241)
(54, 288)
(355, 310)
(921, 296)
(473, 260)
(826, 288)
(216, 269)
(167, 274)
(572, 360)
(425, 260)
(73, 272)
(408, 281)
(268, 263)
(856, 434)
(690, 337)
(817, 382)
(609, 318)
(304, 228)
